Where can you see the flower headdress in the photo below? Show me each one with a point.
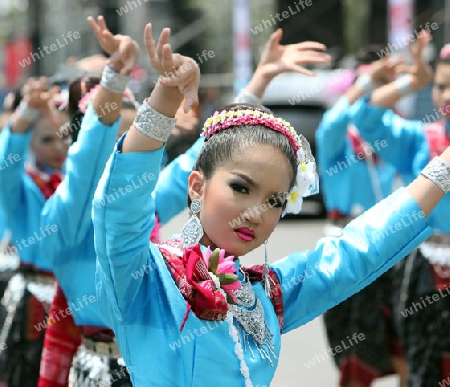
(128, 96)
(307, 181)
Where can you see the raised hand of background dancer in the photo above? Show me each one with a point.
(37, 95)
(385, 70)
(177, 72)
(276, 59)
(421, 75)
(123, 50)
(420, 70)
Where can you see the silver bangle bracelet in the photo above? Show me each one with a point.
(28, 113)
(438, 171)
(153, 124)
(366, 83)
(246, 97)
(403, 84)
(113, 81)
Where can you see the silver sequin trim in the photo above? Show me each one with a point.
(438, 171)
(153, 124)
(112, 81)
(253, 322)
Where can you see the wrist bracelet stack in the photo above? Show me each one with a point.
(403, 84)
(28, 113)
(153, 124)
(113, 81)
(438, 171)
(366, 83)
(246, 97)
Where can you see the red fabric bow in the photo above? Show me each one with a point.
(47, 186)
(192, 278)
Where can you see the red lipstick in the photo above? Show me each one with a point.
(245, 234)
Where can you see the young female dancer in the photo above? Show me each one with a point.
(26, 183)
(423, 277)
(353, 180)
(72, 260)
(194, 328)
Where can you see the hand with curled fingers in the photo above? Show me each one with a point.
(421, 71)
(385, 70)
(277, 58)
(122, 49)
(176, 71)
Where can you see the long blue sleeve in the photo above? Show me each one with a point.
(332, 130)
(313, 282)
(404, 139)
(122, 225)
(70, 206)
(171, 190)
(11, 175)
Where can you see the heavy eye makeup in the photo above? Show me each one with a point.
(239, 187)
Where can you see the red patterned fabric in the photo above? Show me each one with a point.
(360, 147)
(62, 339)
(191, 276)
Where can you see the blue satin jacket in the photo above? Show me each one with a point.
(407, 148)
(346, 180)
(71, 251)
(146, 309)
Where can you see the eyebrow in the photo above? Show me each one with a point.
(246, 178)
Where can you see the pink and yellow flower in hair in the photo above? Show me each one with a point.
(307, 180)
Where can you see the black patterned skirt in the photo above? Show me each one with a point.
(422, 316)
(92, 368)
(25, 301)
(367, 316)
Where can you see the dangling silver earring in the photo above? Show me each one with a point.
(266, 280)
(192, 231)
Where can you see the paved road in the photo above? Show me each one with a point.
(308, 341)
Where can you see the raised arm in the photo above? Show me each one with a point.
(15, 140)
(331, 133)
(70, 206)
(122, 223)
(339, 267)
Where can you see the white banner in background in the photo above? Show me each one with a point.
(242, 60)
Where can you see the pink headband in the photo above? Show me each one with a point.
(227, 119)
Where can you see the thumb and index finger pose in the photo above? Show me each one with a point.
(197, 297)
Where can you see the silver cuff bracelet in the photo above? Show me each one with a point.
(438, 171)
(366, 83)
(403, 84)
(113, 81)
(28, 113)
(246, 97)
(153, 124)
